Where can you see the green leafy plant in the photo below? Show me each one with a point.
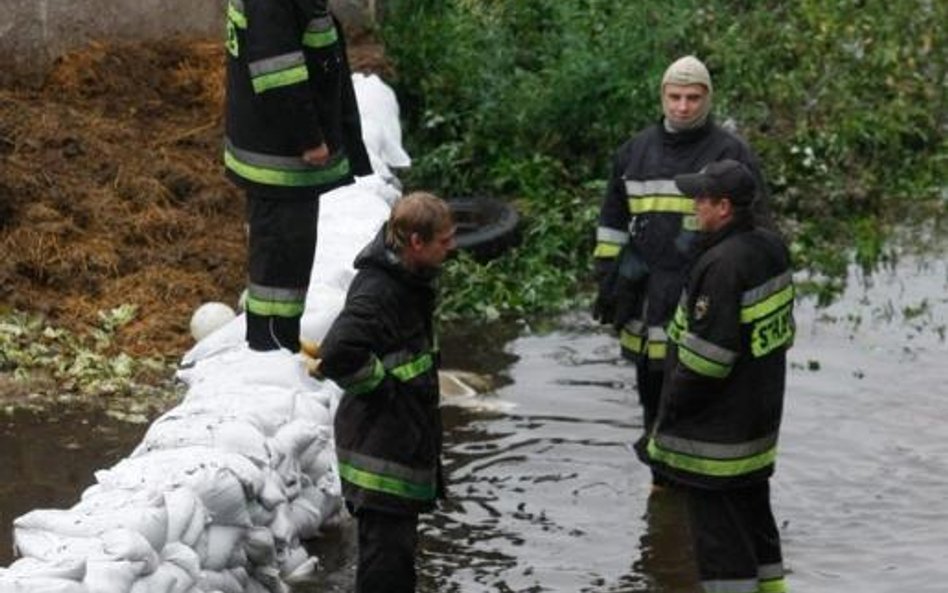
(55, 362)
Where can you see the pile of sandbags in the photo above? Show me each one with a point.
(223, 488)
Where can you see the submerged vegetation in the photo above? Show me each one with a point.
(527, 99)
(58, 364)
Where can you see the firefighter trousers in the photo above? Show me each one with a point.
(736, 541)
(387, 544)
(281, 248)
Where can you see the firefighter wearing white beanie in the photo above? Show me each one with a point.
(686, 106)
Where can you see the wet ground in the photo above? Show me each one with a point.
(547, 497)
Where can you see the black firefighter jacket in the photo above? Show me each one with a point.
(722, 398)
(645, 213)
(289, 89)
(382, 351)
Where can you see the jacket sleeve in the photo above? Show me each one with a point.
(349, 355)
(613, 230)
(708, 336)
(351, 120)
(274, 56)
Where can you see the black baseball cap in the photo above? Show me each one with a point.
(721, 179)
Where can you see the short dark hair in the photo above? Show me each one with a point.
(418, 212)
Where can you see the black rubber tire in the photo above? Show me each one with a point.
(486, 227)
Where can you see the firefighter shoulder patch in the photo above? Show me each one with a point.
(702, 305)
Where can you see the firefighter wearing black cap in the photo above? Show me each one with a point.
(719, 417)
(292, 133)
(646, 226)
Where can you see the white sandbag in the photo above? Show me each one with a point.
(283, 529)
(260, 546)
(187, 516)
(221, 542)
(184, 558)
(225, 338)
(50, 545)
(268, 577)
(296, 436)
(306, 517)
(125, 544)
(111, 576)
(259, 514)
(315, 466)
(150, 521)
(222, 481)
(298, 565)
(29, 584)
(177, 428)
(324, 302)
(189, 466)
(73, 569)
(272, 495)
(223, 581)
(379, 114)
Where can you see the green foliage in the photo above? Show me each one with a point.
(43, 356)
(844, 101)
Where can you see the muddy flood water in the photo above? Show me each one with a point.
(546, 495)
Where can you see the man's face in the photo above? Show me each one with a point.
(432, 254)
(682, 103)
(711, 213)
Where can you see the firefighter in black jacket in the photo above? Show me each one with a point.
(292, 133)
(382, 350)
(716, 431)
(646, 226)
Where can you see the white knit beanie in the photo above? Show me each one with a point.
(684, 71)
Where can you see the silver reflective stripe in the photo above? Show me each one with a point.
(276, 64)
(320, 24)
(397, 359)
(365, 378)
(716, 450)
(269, 161)
(635, 327)
(607, 235)
(708, 350)
(769, 572)
(653, 187)
(730, 586)
(386, 468)
(273, 293)
(657, 334)
(772, 286)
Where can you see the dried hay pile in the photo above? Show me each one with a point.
(112, 190)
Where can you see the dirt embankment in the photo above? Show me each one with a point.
(112, 190)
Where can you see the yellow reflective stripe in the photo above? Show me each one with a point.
(236, 17)
(413, 368)
(631, 342)
(365, 379)
(767, 306)
(689, 222)
(387, 484)
(607, 250)
(319, 39)
(712, 467)
(657, 350)
(266, 82)
(674, 204)
(272, 308)
(701, 365)
(772, 586)
(286, 178)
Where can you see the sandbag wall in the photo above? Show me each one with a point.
(224, 486)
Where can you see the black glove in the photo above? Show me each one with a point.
(604, 307)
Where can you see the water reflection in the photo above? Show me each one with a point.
(547, 497)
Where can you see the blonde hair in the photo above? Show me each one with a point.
(418, 212)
